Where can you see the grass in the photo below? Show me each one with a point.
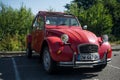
(115, 42)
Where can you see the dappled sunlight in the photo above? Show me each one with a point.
(32, 69)
(1, 76)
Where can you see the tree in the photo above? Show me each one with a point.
(73, 9)
(86, 4)
(14, 25)
(96, 17)
(114, 9)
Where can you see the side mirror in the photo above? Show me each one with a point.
(85, 27)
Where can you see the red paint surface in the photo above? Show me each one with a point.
(52, 34)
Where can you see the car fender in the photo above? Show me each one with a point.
(105, 48)
(55, 44)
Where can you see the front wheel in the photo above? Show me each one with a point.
(48, 63)
(100, 67)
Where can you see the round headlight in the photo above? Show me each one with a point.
(105, 38)
(64, 38)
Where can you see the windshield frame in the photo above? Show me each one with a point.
(62, 17)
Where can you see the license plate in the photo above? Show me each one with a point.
(88, 56)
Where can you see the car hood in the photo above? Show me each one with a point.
(76, 35)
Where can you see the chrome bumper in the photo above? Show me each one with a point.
(84, 64)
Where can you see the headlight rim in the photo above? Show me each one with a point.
(64, 38)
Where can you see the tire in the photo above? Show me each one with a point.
(100, 67)
(29, 51)
(48, 63)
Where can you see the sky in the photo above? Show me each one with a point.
(37, 5)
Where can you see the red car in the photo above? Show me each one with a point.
(61, 41)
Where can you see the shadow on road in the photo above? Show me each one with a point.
(31, 69)
(71, 74)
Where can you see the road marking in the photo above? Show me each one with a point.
(114, 66)
(91, 79)
(17, 77)
(96, 79)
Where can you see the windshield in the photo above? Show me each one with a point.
(64, 21)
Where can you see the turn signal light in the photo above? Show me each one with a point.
(59, 52)
(109, 50)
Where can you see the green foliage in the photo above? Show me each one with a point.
(10, 43)
(114, 9)
(14, 25)
(86, 4)
(73, 9)
(98, 19)
(101, 16)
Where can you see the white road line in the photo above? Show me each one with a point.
(0, 74)
(114, 66)
(17, 77)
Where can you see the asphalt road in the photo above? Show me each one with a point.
(21, 68)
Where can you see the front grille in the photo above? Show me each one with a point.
(87, 48)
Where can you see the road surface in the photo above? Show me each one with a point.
(21, 68)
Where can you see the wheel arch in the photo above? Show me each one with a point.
(44, 44)
(53, 45)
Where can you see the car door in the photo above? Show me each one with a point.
(38, 33)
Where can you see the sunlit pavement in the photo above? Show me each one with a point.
(21, 68)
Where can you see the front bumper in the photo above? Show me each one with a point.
(85, 64)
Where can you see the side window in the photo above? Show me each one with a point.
(38, 23)
(35, 24)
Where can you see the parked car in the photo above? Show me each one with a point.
(61, 41)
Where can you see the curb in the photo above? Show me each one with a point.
(23, 52)
(115, 49)
(12, 52)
